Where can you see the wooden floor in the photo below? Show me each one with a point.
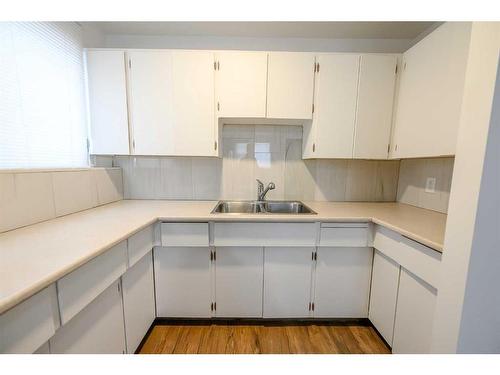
(262, 338)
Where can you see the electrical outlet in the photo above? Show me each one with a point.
(430, 185)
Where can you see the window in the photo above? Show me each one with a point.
(42, 100)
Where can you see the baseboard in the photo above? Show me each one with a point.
(260, 321)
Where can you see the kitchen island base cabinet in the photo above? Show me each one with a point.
(383, 296)
(414, 315)
(183, 282)
(342, 285)
(138, 301)
(239, 282)
(287, 282)
(97, 329)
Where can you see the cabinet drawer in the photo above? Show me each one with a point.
(184, 234)
(416, 258)
(344, 235)
(265, 234)
(83, 285)
(139, 245)
(24, 328)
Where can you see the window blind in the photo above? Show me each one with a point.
(42, 100)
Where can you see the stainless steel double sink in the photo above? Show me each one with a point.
(262, 207)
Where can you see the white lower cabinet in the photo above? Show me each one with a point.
(24, 328)
(183, 282)
(287, 281)
(98, 328)
(342, 285)
(414, 315)
(138, 301)
(239, 277)
(384, 293)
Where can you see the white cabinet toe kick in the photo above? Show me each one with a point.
(254, 270)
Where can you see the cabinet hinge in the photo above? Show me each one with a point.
(215, 145)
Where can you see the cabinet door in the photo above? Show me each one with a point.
(151, 102)
(239, 273)
(290, 82)
(430, 93)
(97, 329)
(138, 301)
(336, 88)
(414, 315)
(342, 285)
(193, 103)
(107, 90)
(377, 76)
(384, 292)
(241, 84)
(287, 281)
(182, 281)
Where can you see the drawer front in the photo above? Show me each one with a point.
(26, 327)
(83, 285)
(139, 245)
(184, 234)
(265, 234)
(344, 235)
(416, 258)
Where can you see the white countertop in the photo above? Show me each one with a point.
(33, 257)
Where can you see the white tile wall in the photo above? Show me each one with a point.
(412, 179)
(33, 196)
(266, 152)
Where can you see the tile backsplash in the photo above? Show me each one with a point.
(413, 174)
(250, 152)
(29, 197)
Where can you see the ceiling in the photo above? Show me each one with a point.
(327, 30)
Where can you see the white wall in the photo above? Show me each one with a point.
(265, 44)
(468, 303)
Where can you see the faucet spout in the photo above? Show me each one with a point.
(261, 192)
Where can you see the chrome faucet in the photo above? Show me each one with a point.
(261, 192)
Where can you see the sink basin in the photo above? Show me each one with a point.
(262, 207)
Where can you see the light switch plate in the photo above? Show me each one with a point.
(430, 185)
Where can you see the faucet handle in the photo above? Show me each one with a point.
(261, 184)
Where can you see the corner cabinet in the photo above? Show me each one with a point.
(430, 93)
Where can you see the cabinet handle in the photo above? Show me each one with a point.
(218, 65)
(314, 147)
(309, 306)
(218, 106)
(212, 306)
(215, 145)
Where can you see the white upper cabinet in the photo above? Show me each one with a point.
(241, 84)
(377, 76)
(290, 83)
(193, 106)
(172, 102)
(107, 90)
(151, 102)
(430, 93)
(332, 131)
